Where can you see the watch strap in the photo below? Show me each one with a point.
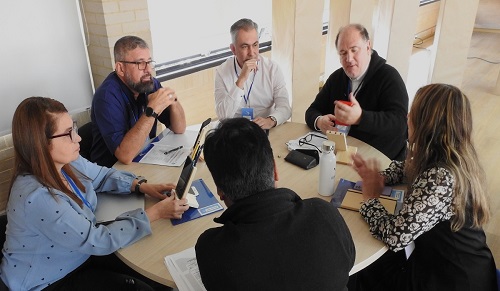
(138, 185)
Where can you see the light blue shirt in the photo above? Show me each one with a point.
(50, 236)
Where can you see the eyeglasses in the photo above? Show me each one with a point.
(308, 138)
(73, 133)
(141, 65)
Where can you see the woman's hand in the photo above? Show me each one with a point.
(169, 207)
(156, 190)
(369, 171)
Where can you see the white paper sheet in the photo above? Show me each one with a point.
(184, 270)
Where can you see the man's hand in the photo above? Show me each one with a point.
(248, 67)
(161, 99)
(326, 122)
(265, 123)
(348, 114)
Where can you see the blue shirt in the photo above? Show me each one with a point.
(50, 236)
(114, 112)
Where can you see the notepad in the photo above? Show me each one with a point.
(353, 200)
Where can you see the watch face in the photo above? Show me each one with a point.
(150, 112)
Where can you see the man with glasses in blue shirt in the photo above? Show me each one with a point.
(128, 104)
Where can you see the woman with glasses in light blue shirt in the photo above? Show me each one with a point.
(52, 239)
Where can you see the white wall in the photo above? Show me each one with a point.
(42, 54)
(191, 27)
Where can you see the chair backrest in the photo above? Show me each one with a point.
(85, 132)
(498, 279)
(6, 168)
(3, 227)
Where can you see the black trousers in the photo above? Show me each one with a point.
(386, 273)
(105, 273)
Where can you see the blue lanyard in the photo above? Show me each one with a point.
(76, 190)
(247, 98)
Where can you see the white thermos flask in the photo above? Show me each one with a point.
(327, 167)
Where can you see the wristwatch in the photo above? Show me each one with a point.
(273, 119)
(150, 112)
(138, 185)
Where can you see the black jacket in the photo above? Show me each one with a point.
(274, 240)
(383, 99)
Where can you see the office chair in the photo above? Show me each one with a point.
(3, 227)
(85, 132)
(498, 279)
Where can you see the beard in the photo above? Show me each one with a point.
(145, 85)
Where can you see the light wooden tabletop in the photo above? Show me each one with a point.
(147, 255)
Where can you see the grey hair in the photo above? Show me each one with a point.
(362, 30)
(126, 44)
(245, 24)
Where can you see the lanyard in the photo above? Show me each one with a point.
(76, 190)
(247, 98)
(349, 85)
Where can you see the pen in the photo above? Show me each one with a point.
(173, 150)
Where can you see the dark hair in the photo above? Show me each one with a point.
(126, 44)
(360, 28)
(33, 124)
(240, 158)
(245, 24)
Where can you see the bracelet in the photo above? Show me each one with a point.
(138, 185)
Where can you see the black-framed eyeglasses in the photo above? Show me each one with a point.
(73, 133)
(308, 138)
(142, 64)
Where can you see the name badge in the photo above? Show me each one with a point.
(247, 112)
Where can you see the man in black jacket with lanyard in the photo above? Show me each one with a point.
(379, 100)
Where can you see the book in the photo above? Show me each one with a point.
(348, 195)
(184, 270)
(207, 203)
(340, 191)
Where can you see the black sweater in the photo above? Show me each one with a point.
(274, 240)
(383, 99)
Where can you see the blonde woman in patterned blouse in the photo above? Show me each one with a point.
(444, 208)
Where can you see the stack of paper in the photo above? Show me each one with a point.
(184, 270)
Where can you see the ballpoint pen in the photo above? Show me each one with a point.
(173, 150)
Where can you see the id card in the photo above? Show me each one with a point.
(247, 112)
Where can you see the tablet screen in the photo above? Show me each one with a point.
(187, 170)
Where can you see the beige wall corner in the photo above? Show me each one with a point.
(394, 29)
(297, 31)
(452, 41)
(107, 21)
(343, 12)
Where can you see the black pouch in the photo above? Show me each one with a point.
(303, 158)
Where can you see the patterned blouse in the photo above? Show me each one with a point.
(426, 203)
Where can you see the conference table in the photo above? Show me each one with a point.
(147, 255)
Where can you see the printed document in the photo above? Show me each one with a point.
(184, 270)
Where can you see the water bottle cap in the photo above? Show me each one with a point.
(328, 146)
